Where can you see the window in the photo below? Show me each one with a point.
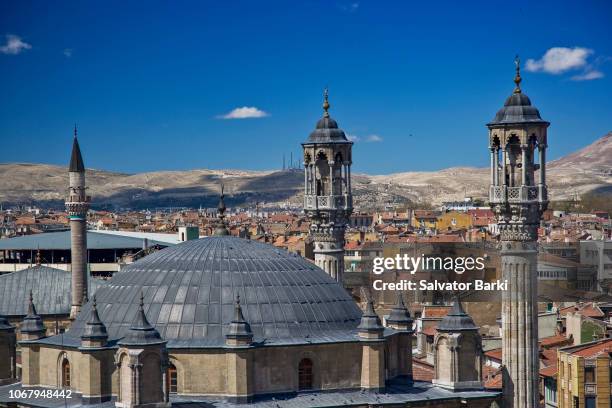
(65, 374)
(172, 378)
(589, 375)
(589, 402)
(305, 375)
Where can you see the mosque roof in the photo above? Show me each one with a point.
(189, 292)
(50, 289)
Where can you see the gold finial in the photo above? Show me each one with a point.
(325, 103)
(517, 78)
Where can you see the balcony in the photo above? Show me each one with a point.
(523, 194)
(336, 202)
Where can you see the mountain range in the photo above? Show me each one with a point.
(586, 170)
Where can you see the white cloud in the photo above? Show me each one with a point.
(588, 75)
(67, 52)
(244, 112)
(558, 60)
(14, 45)
(367, 139)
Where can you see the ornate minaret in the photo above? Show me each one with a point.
(518, 199)
(328, 201)
(77, 204)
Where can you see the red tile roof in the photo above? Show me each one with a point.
(557, 340)
(429, 331)
(495, 354)
(492, 377)
(550, 371)
(435, 311)
(422, 371)
(603, 346)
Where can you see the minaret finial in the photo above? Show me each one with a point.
(517, 77)
(326, 102)
(75, 131)
(221, 228)
(38, 258)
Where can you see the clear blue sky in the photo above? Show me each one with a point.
(147, 82)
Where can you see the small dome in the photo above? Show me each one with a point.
(517, 109)
(327, 130)
(190, 291)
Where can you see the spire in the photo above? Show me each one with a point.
(400, 316)
(457, 319)
(517, 77)
(221, 227)
(370, 322)
(32, 323)
(94, 328)
(141, 332)
(76, 160)
(239, 328)
(325, 103)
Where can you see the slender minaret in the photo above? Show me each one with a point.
(328, 200)
(77, 204)
(518, 200)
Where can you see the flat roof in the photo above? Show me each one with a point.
(95, 240)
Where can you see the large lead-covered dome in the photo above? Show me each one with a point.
(190, 289)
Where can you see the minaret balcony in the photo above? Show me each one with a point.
(335, 202)
(522, 194)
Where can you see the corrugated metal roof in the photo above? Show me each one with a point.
(50, 289)
(61, 241)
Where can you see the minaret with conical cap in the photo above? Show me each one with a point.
(239, 358)
(518, 200)
(32, 329)
(142, 359)
(328, 201)
(371, 334)
(77, 205)
(399, 319)
(458, 351)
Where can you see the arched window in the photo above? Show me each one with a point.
(65, 374)
(172, 379)
(305, 374)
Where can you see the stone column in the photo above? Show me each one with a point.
(496, 169)
(520, 324)
(504, 170)
(493, 166)
(331, 180)
(523, 164)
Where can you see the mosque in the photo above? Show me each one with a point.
(226, 321)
